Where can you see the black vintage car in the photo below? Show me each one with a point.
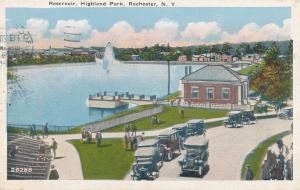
(196, 156)
(181, 132)
(235, 119)
(195, 127)
(168, 142)
(286, 113)
(146, 164)
(248, 117)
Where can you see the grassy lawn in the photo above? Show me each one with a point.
(248, 70)
(256, 157)
(133, 110)
(171, 116)
(110, 161)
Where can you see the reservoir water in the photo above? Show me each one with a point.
(58, 94)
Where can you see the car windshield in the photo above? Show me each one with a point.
(163, 140)
(192, 152)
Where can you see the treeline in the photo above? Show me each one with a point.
(158, 52)
(50, 59)
(273, 78)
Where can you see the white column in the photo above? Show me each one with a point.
(239, 95)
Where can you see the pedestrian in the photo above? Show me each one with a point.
(288, 170)
(280, 170)
(53, 173)
(280, 145)
(54, 146)
(133, 129)
(126, 141)
(89, 136)
(266, 170)
(45, 130)
(98, 139)
(143, 136)
(287, 151)
(249, 173)
(31, 131)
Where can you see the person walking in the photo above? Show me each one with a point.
(53, 173)
(54, 146)
(98, 139)
(45, 130)
(126, 141)
(133, 129)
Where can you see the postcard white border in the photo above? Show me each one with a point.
(165, 185)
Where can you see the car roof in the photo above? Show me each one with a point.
(144, 151)
(180, 125)
(287, 108)
(167, 132)
(248, 110)
(195, 120)
(148, 142)
(234, 112)
(196, 141)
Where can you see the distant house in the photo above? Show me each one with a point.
(182, 58)
(226, 58)
(135, 58)
(195, 58)
(215, 84)
(253, 58)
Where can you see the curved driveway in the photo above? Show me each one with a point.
(228, 148)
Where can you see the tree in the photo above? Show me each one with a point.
(226, 48)
(259, 48)
(272, 77)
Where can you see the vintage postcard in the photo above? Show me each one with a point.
(149, 94)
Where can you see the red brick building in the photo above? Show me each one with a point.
(216, 84)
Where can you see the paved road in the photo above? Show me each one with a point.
(228, 148)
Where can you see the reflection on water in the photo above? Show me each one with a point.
(58, 95)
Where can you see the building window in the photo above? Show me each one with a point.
(225, 93)
(210, 93)
(195, 92)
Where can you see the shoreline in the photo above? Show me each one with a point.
(51, 65)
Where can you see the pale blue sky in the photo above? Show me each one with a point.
(230, 20)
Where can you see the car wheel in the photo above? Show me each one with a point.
(169, 155)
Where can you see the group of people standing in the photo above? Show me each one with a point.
(130, 137)
(278, 167)
(86, 136)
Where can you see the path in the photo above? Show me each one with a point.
(228, 148)
(67, 162)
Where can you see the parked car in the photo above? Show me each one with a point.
(181, 132)
(149, 143)
(286, 113)
(146, 164)
(196, 156)
(235, 119)
(248, 117)
(168, 142)
(195, 127)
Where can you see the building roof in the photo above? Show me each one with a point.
(215, 73)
